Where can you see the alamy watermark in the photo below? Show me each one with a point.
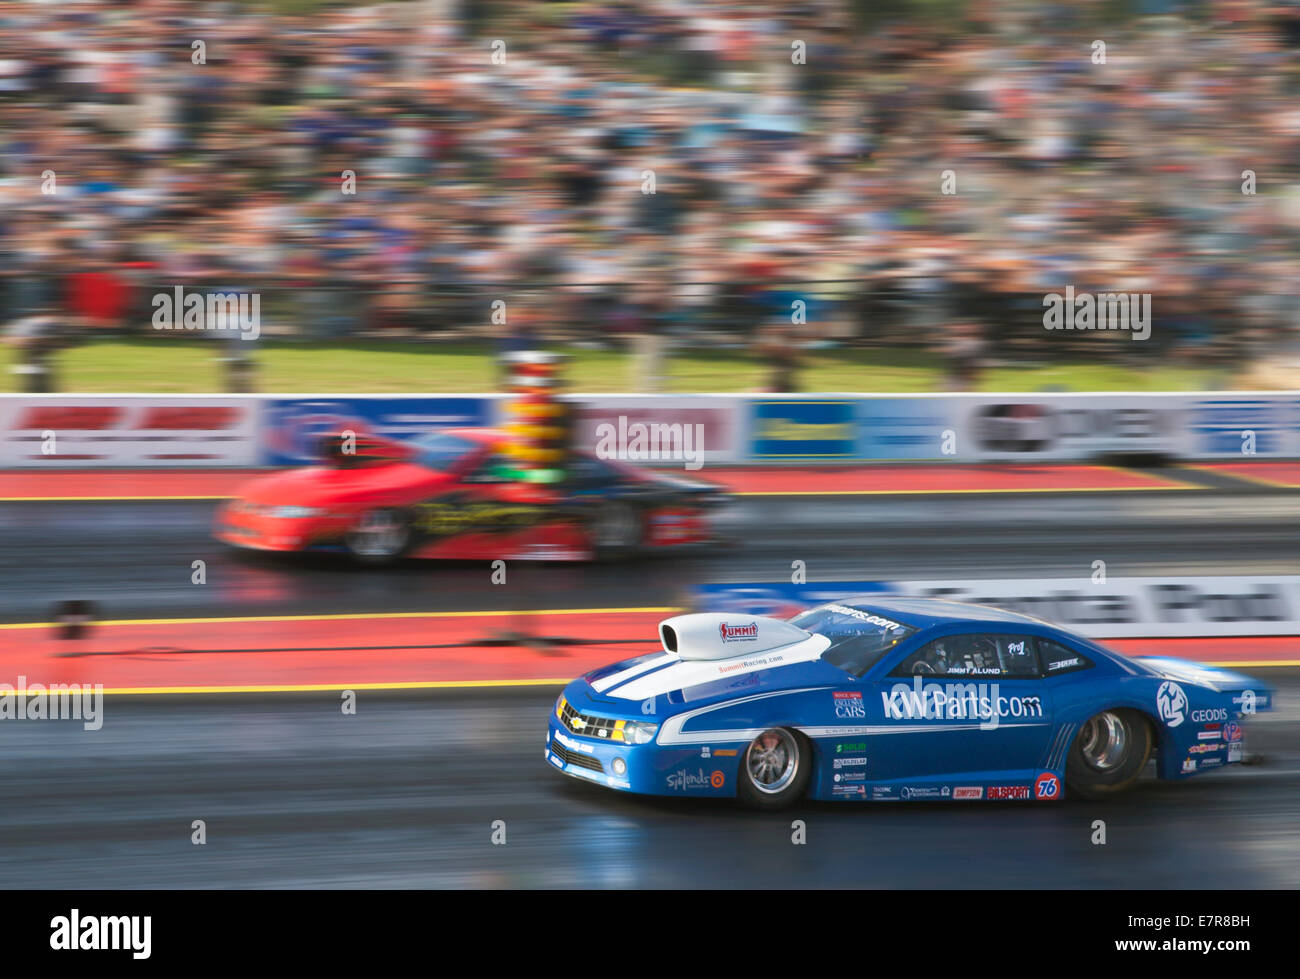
(53, 702)
(225, 311)
(1104, 311)
(74, 931)
(651, 442)
(982, 702)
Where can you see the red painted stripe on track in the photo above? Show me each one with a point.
(1285, 474)
(280, 653)
(1217, 649)
(113, 484)
(938, 479)
(288, 653)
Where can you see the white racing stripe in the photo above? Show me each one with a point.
(614, 679)
(683, 674)
(671, 730)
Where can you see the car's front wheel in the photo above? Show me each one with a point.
(775, 769)
(379, 536)
(1108, 754)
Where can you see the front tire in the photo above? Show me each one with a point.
(1109, 754)
(379, 537)
(774, 770)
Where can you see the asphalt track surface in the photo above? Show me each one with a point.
(135, 558)
(404, 793)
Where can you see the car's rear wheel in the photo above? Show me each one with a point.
(775, 769)
(1108, 754)
(616, 530)
(379, 536)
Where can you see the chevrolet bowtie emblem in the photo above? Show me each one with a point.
(579, 722)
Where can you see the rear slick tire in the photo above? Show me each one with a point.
(1109, 753)
(617, 531)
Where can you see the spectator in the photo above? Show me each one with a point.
(578, 163)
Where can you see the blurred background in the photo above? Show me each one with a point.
(869, 196)
(649, 184)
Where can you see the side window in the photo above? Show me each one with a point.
(589, 470)
(1058, 659)
(1017, 656)
(973, 655)
(496, 468)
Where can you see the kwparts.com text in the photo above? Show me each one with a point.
(957, 702)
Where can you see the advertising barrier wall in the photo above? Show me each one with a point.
(662, 430)
(1011, 427)
(90, 431)
(674, 431)
(293, 427)
(1120, 608)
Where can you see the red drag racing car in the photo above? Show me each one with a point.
(455, 494)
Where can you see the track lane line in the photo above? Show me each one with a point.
(345, 616)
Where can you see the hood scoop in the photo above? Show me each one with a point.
(707, 636)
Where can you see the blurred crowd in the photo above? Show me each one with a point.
(679, 167)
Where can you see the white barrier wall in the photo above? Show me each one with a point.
(1017, 427)
(776, 430)
(1119, 608)
(92, 431)
(1139, 607)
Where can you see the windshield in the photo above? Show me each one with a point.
(441, 450)
(858, 639)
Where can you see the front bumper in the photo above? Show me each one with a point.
(242, 525)
(585, 760)
(646, 769)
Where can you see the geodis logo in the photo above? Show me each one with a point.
(1171, 703)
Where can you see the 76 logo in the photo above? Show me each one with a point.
(1047, 786)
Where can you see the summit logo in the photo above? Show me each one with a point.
(737, 633)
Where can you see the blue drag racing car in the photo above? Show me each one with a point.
(893, 699)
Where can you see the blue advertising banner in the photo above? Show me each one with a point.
(812, 429)
(903, 428)
(1242, 426)
(293, 427)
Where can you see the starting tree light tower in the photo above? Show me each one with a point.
(536, 419)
